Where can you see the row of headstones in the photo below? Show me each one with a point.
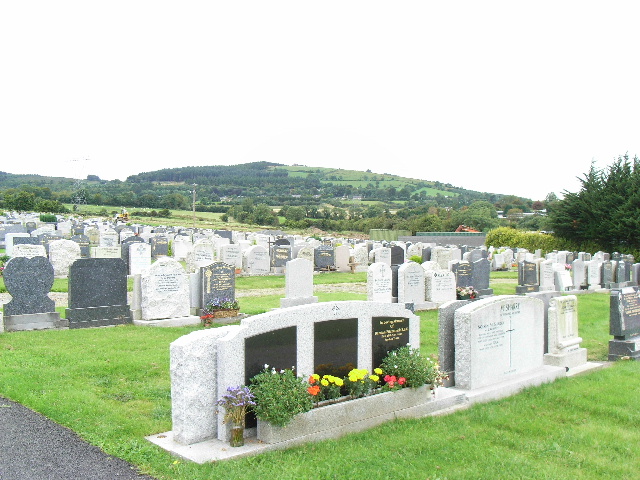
(98, 292)
(543, 275)
(427, 283)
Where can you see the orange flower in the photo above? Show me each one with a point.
(314, 390)
(311, 380)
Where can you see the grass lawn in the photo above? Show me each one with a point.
(112, 387)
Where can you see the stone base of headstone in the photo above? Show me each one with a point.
(175, 322)
(294, 302)
(136, 314)
(623, 349)
(568, 360)
(34, 321)
(418, 307)
(485, 292)
(524, 289)
(98, 316)
(545, 374)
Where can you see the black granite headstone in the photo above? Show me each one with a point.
(218, 283)
(624, 324)
(463, 275)
(336, 347)
(277, 348)
(389, 333)
(397, 255)
(159, 246)
(324, 257)
(224, 234)
(98, 293)
(280, 255)
(29, 281)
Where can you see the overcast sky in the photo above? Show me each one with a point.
(505, 97)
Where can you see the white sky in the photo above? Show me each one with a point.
(506, 97)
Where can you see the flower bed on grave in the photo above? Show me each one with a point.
(289, 407)
(349, 415)
(219, 308)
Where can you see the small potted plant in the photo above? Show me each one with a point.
(466, 293)
(235, 403)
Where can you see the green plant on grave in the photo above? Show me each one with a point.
(417, 370)
(279, 395)
(416, 258)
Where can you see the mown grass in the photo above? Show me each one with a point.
(112, 386)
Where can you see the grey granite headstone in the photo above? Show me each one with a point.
(480, 276)
(446, 339)
(98, 293)
(624, 323)
(607, 274)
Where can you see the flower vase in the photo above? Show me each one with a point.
(237, 435)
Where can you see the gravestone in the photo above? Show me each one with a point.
(9, 241)
(547, 276)
(280, 255)
(624, 323)
(307, 253)
(579, 274)
(256, 261)
(98, 293)
(379, 281)
(324, 258)
(411, 287)
(564, 282)
(231, 255)
(218, 283)
(139, 257)
(361, 257)
(165, 290)
(83, 242)
(500, 339)
(159, 246)
(498, 262)
(62, 253)
(109, 238)
(342, 257)
(607, 274)
(527, 278)
(480, 276)
(381, 255)
(446, 338)
(28, 281)
(202, 254)
(29, 251)
(563, 339)
(125, 245)
(397, 255)
(298, 284)
(463, 274)
(107, 252)
(594, 274)
(440, 286)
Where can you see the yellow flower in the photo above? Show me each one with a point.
(375, 378)
(377, 371)
(339, 382)
(324, 382)
(316, 377)
(353, 378)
